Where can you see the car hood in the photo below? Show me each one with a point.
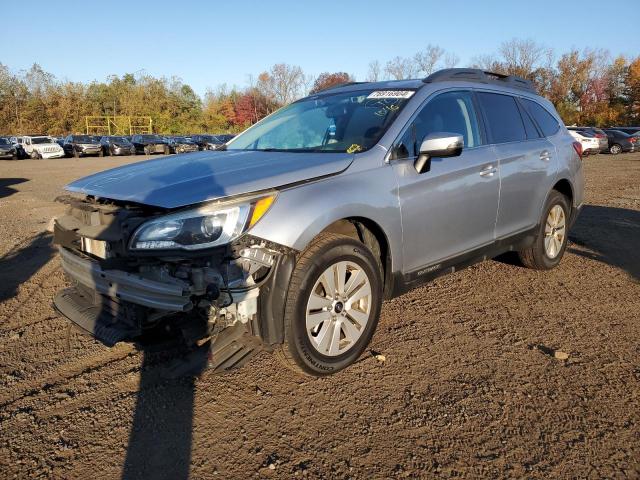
(182, 180)
(44, 145)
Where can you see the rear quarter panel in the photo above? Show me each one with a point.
(569, 165)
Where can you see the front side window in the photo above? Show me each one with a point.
(503, 118)
(451, 112)
(547, 122)
(333, 122)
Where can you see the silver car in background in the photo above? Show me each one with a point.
(290, 239)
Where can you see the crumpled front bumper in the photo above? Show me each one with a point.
(173, 297)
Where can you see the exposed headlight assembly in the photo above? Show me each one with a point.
(203, 227)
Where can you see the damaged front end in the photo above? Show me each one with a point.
(194, 277)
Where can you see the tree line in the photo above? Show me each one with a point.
(587, 87)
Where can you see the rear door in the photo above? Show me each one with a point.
(526, 160)
(450, 209)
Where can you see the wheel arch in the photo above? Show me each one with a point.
(373, 236)
(564, 187)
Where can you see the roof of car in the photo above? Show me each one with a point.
(355, 86)
(472, 75)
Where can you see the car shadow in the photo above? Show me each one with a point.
(160, 440)
(7, 183)
(607, 234)
(20, 264)
(610, 235)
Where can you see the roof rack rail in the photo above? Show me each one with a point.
(480, 76)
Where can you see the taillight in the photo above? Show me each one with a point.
(633, 140)
(599, 135)
(577, 146)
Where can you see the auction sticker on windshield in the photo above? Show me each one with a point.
(391, 94)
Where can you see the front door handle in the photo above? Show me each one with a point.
(488, 171)
(545, 155)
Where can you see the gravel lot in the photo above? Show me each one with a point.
(471, 386)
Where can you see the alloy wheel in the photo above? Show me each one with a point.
(554, 231)
(339, 308)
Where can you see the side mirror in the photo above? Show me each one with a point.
(439, 144)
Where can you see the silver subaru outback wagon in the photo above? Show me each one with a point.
(290, 237)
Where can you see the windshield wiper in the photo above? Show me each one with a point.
(297, 150)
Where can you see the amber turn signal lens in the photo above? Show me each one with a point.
(260, 208)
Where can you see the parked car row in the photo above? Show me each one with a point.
(612, 140)
(44, 146)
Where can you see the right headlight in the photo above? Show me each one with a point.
(199, 228)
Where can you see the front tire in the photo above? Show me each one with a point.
(333, 306)
(551, 240)
(76, 153)
(615, 149)
(147, 150)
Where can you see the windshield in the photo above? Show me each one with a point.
(151, 138)
(206, 138)
(182, 139)
(85, 139)
(341, 122)
(37, 140)
(120, 139)
(4, 141)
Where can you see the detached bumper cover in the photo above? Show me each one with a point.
(126, 286)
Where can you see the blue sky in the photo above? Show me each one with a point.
(210, 43)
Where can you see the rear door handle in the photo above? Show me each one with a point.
(488, 171)
(545, 155)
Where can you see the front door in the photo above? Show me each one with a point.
(450, 209)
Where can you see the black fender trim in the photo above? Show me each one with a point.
(273, 298)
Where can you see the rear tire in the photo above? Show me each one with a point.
(167, 151)
(326, 331)
(615, 149)
(101, 153)
(551, 239)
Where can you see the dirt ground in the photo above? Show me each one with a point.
(471, 386)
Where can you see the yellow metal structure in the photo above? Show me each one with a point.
(118, 125)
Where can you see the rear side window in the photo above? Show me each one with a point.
(529, 126)
(547, 122)
(503, 118)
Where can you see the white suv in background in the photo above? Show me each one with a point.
(40, 146)
(590, 145)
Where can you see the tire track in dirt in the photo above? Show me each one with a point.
(65, 373)
(26, 296)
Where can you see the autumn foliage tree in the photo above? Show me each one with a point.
(327, 80)
(586, 86)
